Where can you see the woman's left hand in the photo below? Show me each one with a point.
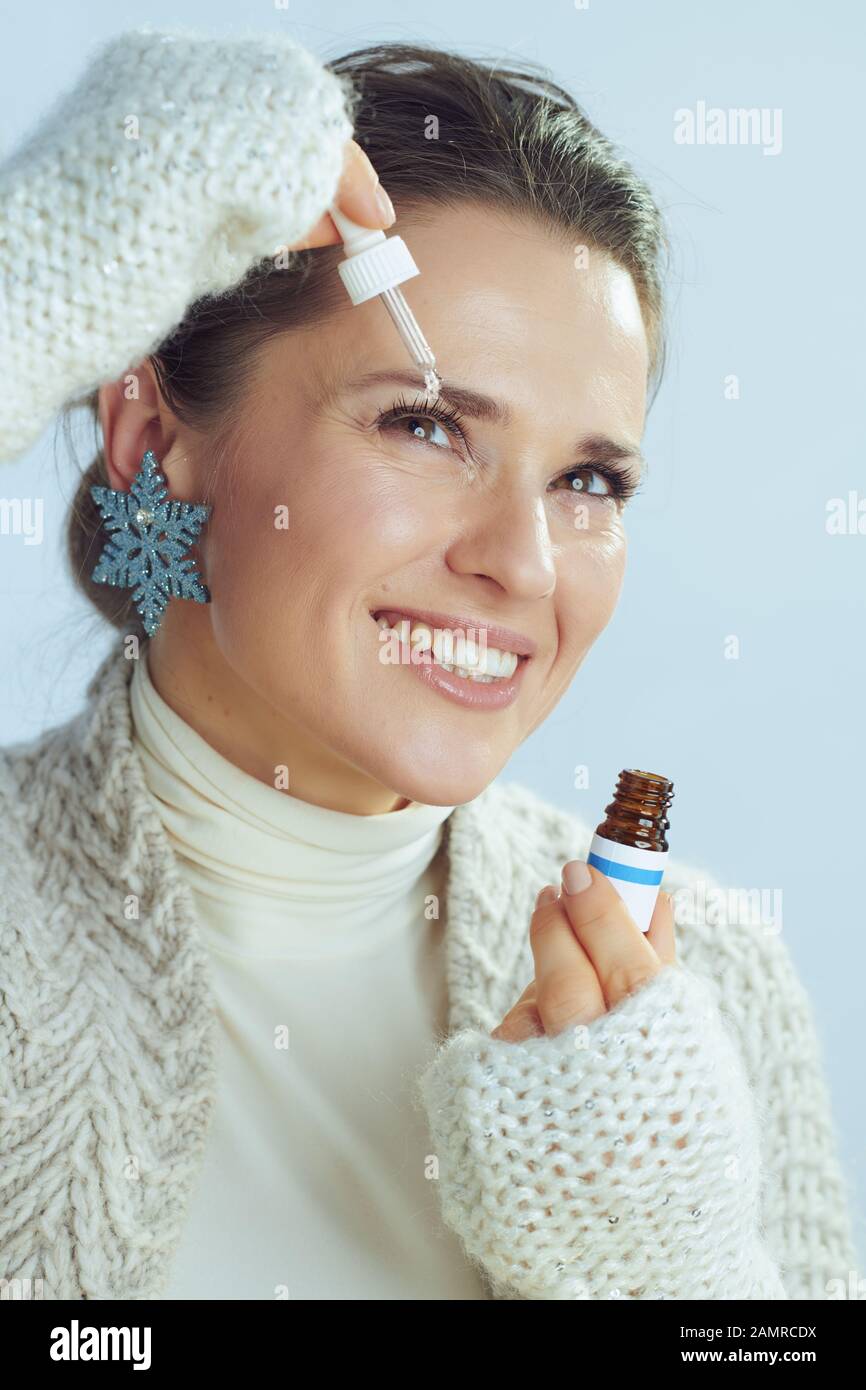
(589, 954)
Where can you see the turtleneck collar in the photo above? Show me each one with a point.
(273, 873)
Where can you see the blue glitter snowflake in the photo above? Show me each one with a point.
(150, 539)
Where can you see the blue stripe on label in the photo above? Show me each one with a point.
(612, 869)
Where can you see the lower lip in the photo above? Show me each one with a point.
(474, 694)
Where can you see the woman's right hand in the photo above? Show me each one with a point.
(359, 195)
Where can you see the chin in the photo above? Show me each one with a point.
(445, 786)
(445, 792)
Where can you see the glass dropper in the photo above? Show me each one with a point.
(375, 265)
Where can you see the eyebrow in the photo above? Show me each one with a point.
(596, 448)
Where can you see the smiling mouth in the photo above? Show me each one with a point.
(453, 649)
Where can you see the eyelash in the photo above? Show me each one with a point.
(621, 480)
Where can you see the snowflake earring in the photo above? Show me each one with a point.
(150, 539)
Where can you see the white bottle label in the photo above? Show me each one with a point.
(635, 874)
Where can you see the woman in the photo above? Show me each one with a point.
(288, 1010)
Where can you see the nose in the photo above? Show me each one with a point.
(506, 539)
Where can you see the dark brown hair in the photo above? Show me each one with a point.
(441, 130)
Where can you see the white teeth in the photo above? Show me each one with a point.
(466, 652)
(496, 663)
(466, 657)
(442, 648)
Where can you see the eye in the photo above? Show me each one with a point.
(579, 481)
(618, 484)
(425, 428)
(424, 422)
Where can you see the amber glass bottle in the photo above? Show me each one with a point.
(630, 845)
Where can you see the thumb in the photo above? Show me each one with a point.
(360, 194)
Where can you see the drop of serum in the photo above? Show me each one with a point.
(433, 381)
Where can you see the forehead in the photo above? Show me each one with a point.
(548, 317)
(510, 309)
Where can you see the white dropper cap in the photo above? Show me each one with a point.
(374, 263)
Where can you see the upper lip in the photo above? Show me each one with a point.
(503, 638)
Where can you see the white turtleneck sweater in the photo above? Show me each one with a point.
(328, 971)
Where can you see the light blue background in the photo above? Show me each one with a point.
(728, 537)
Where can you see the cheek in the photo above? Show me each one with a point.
(356, 516)
(334, 523)
(589, 581)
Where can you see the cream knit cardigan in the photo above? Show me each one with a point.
(682, 1146)
(107, 1070)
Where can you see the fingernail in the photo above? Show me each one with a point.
(547, 895)
(384, 204)
(576, 876)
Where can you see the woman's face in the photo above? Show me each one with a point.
(349, 497)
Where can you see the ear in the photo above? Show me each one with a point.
(134, 419)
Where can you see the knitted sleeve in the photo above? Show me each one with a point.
(174, 164)
(620, 1159)
(806, 1205)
